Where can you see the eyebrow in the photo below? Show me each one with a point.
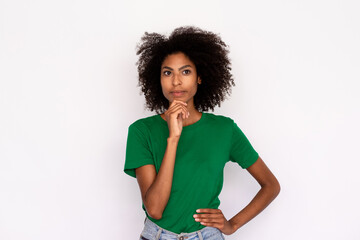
(179, 68)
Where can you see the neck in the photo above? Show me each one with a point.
(195, 116)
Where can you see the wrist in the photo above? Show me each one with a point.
(235, 226)
(173, 139)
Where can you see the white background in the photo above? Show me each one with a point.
(68, 92)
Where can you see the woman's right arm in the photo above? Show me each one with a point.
(155, 188)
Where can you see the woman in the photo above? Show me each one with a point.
(178, 155)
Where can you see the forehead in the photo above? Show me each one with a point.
(177, 59)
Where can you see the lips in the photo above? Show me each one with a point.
(177, 93)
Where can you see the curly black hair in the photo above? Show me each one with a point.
(205, 49)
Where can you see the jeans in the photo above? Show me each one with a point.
(152, 231)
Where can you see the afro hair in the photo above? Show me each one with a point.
(205, 49)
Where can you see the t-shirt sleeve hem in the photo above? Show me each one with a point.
(130, 170)
(251, 161)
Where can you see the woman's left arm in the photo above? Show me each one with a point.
(270, 188)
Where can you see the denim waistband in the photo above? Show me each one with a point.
(159, 230)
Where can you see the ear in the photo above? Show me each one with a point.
(199, 80)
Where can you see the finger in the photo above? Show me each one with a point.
(215, 225)
(178, 112)
(176, 102)
(213, 221)
(180, 108)
(210, 220)
(204, 216)
(181, 102)
(208, 224)
(208, 210)
(185, 112)
(218, 221)
(176, 107)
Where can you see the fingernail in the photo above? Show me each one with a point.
(198, 210)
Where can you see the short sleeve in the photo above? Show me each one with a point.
(241, 150)
(137, 150)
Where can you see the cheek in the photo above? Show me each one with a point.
(164, 88)
(162, 84)
(194, 89)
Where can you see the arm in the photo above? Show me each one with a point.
(155, 188)
(270, 188)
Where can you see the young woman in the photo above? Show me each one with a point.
(178, 155)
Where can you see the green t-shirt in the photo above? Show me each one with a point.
(203, 150)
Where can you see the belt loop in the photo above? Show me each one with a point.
(200, 235)
(158, 234)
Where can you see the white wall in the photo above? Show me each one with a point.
(68, 92)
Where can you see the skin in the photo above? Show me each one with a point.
(178, 73)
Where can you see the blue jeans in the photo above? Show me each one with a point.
(152, 231)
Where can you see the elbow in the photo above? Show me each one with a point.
(273, 188)
(154, 214)
(153, 211)
(153, 208)
(276, 188)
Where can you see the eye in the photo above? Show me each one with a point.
(166, 73)
(187, 71)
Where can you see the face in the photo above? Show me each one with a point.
(179, 78)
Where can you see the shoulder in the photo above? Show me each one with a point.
(220, 124)
(219, 119)
(145, 123)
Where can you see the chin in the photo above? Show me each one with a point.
(180, 99)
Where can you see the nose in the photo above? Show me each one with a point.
(176, 80)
